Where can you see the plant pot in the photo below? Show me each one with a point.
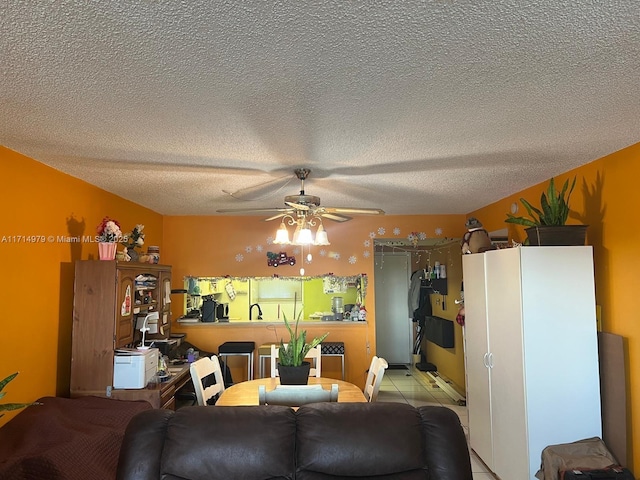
(107, 250)
(294, 375)
(557, 235)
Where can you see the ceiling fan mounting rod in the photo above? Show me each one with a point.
(302, 174)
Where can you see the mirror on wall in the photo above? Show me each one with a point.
(270, 299)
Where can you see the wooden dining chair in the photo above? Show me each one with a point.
(297, 395)
(374, 378)
(315, 354)
(200, 370)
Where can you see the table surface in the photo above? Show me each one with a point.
(246, 393)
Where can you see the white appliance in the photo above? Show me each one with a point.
(531, 354)
(136, 369)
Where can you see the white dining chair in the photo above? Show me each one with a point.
(374, 378)
(202, 368)
(297, 395)
(315, 354)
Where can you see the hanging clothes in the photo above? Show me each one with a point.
(420, 306)
(414, 290)
(419, 290)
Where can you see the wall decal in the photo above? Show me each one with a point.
(281, 258)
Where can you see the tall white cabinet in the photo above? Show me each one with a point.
(531, 354)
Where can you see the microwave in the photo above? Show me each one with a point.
(222, 311)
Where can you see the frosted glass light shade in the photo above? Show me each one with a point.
(304, 236)
(282, 235)
(321, 236)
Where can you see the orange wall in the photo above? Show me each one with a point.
(237, 246)
(606, 198)
(36, 287)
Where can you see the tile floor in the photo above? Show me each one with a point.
(415, 388)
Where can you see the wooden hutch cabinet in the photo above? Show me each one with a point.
(109, 296)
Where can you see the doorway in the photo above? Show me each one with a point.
(394, 329)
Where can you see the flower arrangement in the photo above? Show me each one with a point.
(135, 238)
(109, 231)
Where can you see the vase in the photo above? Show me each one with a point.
(107, 250)
(290, 375)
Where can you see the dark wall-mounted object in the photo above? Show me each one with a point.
(439, 331)
(439, 285)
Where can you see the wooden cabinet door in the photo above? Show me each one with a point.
(126, 279)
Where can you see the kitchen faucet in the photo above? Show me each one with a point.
(259, 311)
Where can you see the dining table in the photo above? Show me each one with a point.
(246, 393)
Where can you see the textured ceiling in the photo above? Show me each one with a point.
(412, 106)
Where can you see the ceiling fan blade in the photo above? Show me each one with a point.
(297, 206)
(277, 216)
(255, 210)
(262, 190)
(335, 217)
(354, 211)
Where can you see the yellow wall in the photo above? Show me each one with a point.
(450, 361)
(36, 284)
(606, 198)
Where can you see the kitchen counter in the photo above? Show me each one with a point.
(358, 339)
(258, 323)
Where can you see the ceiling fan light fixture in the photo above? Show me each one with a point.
(321, 236)
(282, 235)
(302, 235)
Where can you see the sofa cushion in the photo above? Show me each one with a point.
(348, 440)
(242, 442)
(442, 429)
(317, 442)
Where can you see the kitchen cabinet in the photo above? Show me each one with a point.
(531, 354)
(109, 297)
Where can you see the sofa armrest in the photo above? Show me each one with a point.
(141, 451)
(446, 446)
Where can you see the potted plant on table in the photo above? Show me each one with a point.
(547, 224)
(292, 367)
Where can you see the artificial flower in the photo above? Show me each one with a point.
(135, 238)
(109, 231)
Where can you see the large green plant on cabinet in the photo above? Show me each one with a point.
(546, 225)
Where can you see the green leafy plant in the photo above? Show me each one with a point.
(554, 207)
(293, 353)
(11, 406)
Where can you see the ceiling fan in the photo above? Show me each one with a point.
(303, 205)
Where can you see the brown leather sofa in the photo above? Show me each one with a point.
(318, 441)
